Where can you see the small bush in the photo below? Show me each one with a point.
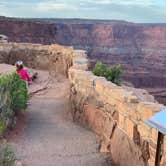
(13, 91)
(18, 93)
(13, 96)
(7, 155)
(100, 69)
(112, 74)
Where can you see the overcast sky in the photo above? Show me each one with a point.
(129, 10)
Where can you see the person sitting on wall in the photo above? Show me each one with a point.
(23, 73)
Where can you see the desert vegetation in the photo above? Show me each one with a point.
(7, 155)
(112, 74)
(13, 97)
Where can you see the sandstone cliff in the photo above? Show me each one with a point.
(140, 48)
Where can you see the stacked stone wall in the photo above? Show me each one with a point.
(117, 115)
(57, 59)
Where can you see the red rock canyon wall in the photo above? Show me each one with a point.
(140, 48)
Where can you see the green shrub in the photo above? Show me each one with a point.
(13, 96)
(18, 93)
(7, 155)
(100, 69)
(112, 74)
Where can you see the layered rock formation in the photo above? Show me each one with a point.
(140, 48)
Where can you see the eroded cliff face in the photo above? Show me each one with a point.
(28, 32)
(140, 48)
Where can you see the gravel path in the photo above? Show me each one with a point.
(49, 137)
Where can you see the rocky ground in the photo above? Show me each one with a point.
(45, 134)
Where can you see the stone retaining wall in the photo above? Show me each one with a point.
(57, 59)
(117, 115)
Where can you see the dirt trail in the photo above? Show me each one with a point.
(48, 137)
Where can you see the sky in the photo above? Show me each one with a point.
(145, 11)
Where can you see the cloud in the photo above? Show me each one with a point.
(3, 3)
(51, 5)
(130, 10)
(134, 2)
(121, 2)
(105, 2)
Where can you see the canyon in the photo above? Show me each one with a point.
(139, 48)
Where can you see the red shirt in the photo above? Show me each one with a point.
(24, 75)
